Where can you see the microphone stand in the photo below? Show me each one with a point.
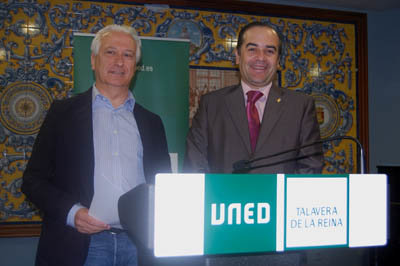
(243, 166)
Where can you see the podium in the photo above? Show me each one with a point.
(217, 214)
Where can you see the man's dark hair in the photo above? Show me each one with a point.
(252, 25)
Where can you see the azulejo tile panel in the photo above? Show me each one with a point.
(36, 67)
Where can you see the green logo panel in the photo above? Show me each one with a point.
(240, 213)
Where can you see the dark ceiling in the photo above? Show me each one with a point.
(361, 5)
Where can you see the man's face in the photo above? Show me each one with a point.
(115, 63)
(258, 59)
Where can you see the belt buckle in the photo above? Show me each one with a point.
(115, 231)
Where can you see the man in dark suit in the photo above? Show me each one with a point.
(91, 149)
(254, 119)
(220, 134)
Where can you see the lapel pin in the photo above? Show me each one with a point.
(278, 100)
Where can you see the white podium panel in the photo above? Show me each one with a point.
(368, 210)
(179, 215)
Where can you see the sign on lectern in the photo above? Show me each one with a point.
(207, 214)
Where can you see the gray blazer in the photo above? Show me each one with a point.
(219, 135)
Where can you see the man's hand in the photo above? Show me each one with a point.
(87, 224)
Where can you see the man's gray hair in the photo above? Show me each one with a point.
(95, 47)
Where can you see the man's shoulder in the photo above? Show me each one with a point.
(71, 104)
(295, 94)
(222, 92)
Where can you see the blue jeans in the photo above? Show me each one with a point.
(109, 249)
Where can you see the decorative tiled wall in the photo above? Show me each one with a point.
(36, 66)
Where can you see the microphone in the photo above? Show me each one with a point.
(244, 166)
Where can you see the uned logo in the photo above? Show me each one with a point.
(262, 215)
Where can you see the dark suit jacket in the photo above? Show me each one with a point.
(59, 173)
(219, 135)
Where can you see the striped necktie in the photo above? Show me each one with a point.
(252, 116)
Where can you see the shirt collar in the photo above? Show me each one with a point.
(265, 90)
(100, 100)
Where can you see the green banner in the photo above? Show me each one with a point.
(161, 84)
